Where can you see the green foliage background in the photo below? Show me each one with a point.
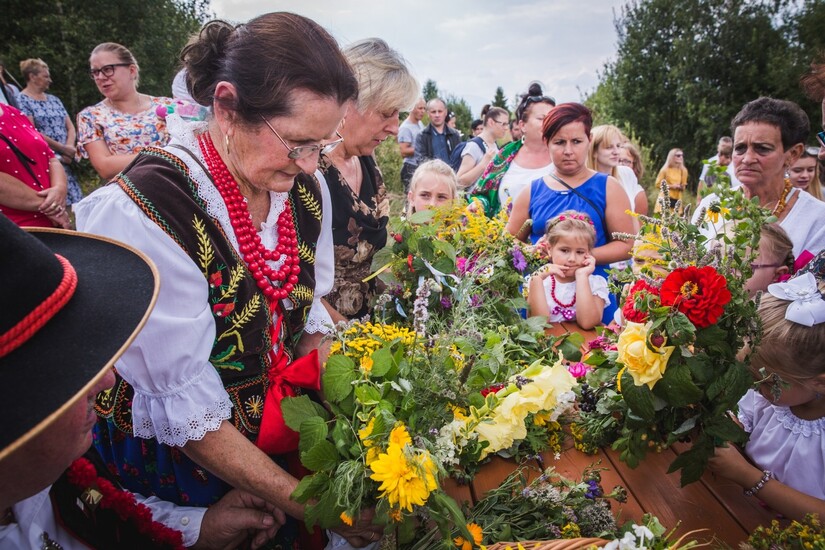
(63, 33)
(684, 68)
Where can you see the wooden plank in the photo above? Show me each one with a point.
(691, 508)
(749, 512)
(461, 493)
(492, 475)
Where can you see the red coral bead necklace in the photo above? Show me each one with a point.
(553, 294)
(276, 284)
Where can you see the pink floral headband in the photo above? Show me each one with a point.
(563, 217)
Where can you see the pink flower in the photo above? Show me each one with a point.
(579, 370)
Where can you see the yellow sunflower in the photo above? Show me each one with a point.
(404, 482)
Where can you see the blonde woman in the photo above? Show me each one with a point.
(51, 119)
(604, 155)
(676, 176)
(804, 173)
(111, 133)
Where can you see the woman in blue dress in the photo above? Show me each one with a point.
(571, 185)
(49, 116)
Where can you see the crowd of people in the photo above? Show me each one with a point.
(273, 205)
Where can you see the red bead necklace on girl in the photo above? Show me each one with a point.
(276, 284)
(565, 310)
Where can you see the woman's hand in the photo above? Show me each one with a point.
(54, 200)
(235, 518)
(362, 532)
(61, 219)
(67, 154)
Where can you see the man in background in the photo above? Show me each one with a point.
(407, 133)
(437, 140)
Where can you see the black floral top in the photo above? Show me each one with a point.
(359, 230)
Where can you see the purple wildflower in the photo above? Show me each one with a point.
(594, 490)
(475, 301)
(461, 265)
(446, 303)
(519, 261)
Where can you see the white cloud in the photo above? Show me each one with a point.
(470, 47)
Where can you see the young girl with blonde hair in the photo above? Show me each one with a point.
(785, 416)
(566, 289)
(433, 184)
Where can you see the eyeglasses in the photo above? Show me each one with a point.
(754, 267)
(820, 137)
(625, 162)
(678, 155)
(106, 70)
(304, 151)
(503, 124)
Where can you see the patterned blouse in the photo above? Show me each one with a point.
(123, 133)
(50, 120)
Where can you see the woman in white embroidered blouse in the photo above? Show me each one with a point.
(242, 165)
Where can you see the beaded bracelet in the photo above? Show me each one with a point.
(766, 476)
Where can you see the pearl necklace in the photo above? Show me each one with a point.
(276, 284)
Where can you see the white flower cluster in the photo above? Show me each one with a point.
(452, 438)
(639, 539)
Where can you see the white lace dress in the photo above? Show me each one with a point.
(792, 448)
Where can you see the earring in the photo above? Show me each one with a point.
(787, 176)
(226, 143)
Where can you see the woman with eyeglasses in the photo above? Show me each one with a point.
(519, 162)
(804, 173)
(769, 136)
(478, 153)
(674, 175)
(360, 206)
(230, 211)
(112, 132)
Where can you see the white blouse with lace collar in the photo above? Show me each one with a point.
(178, 393)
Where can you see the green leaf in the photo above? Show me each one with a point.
(447, 249)
(382, 361)
(296, 410)
(309, 487)
(313, 431)
(679, 329)
(422, 217)
(639, 399)
(693, 461)
(677, 387)
(725, 429)
(321, 457)
(324, 513)
(366, 394)
(338, 377)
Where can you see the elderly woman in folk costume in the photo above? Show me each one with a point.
(231, 214)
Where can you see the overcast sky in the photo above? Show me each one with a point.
(470, 47)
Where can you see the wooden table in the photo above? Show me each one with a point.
(713, 503)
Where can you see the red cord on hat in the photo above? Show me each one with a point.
(48, 308)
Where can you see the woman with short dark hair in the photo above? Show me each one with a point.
(768, 137)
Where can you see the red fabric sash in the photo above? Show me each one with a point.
(275, 437)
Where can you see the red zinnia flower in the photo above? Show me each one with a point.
(629, 310)
(700, 293)
(492, 389)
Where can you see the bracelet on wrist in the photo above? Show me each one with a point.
(767, 475)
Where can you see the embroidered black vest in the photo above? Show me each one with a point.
(160, 184)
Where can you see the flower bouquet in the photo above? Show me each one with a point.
(406, 411)
(804, 534)
(675, 373)
(470, 261)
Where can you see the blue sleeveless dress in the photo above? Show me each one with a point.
(546, 204)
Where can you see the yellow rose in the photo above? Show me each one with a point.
(645, 365)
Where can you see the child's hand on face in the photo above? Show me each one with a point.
(588, 267)
(550, 269)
